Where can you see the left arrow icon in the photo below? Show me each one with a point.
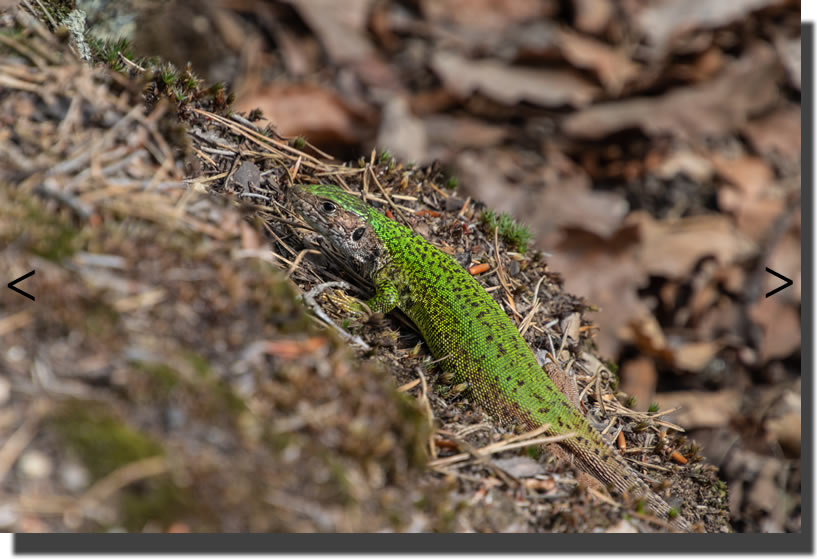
(20, 291)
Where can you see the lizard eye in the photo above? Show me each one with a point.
(328, 207)
(358, 233)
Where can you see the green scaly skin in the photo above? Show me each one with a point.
(462, 323)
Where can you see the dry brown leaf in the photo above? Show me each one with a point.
(598, 212)
(777, 134)
(342, 30)
(694, 356)
(299, 54)
(672, 248)
(402, 133)
(341, 27)
(593, 16)
(456, 133)
(485, 14)
(613, 67)
(786, 431)
(687, 162)
(780, 323)
(751, 175)
(757, 201)
(607, 274)
(512, 84)
(638, 379)
(309, 110)
(645, 333)
(789, 52)
(570, 327)
(712, 108)
(664, 21)
(699, 409)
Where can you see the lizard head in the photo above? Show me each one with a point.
(344, 220)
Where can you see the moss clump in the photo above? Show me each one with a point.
(105, 443)
(107, 51)
(514, 234)
(100, 439)
(163, 378)
(52, 239)
(213, 396)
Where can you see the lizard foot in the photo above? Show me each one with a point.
(309, 298)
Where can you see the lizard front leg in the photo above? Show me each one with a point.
(385, 297)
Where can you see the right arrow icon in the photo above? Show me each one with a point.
(782, 287)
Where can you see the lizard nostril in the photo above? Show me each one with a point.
(358, 233)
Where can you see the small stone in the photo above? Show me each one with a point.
(520, 466)
(35, 465)
(15, 354)
(247, 176)
(623, 527)
(514, 268)
(454, 204)
(74, 477)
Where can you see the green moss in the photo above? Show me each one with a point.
(514, 234)
(100, 439)
(57, 10)
(338, 479)
(99, 319)
(168, 75)
(164, 378)
(721, 487)
(199, 363)
(52, 236)
(212, 396)
(653, 408)
(107, 51)
(612, 365)
(105, 443)
(452, 183)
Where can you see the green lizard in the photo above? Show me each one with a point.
(463, 324)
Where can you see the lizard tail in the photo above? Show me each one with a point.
(600, 459)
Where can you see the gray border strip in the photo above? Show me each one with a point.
(523, 543)
(807, 282)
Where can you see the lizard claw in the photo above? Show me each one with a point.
(309, 299)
